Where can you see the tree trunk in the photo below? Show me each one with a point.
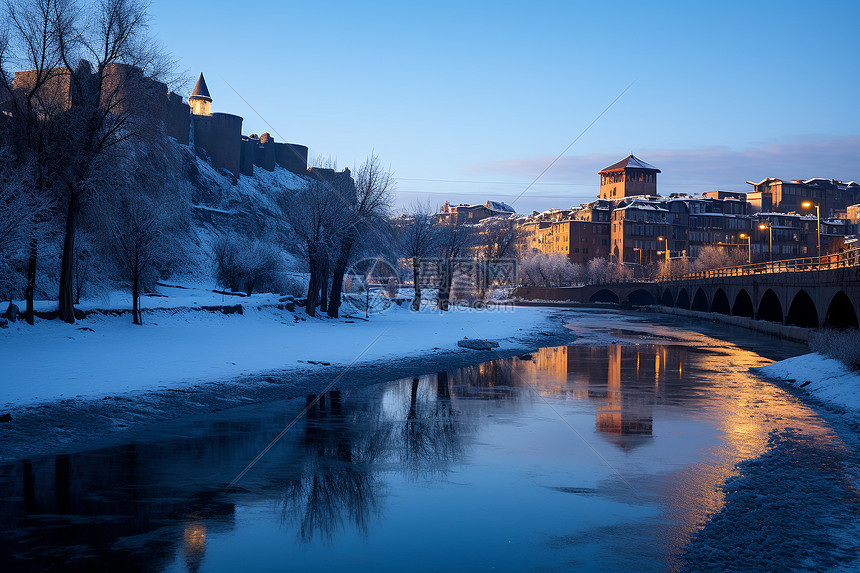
(339, 271)
(30, 289)
(67, 267)
(445, 285)
(313, 292)
(135, 299)
(416, 276)
(324, 292)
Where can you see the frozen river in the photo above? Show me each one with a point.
(609, 454)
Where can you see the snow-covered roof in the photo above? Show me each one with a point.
(630, 162)
(642, 205)
(499, 206)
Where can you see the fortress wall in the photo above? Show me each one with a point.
(55, 94)
(177, 118)
(293, 157)
(220, 135)
(246, 156)
(265, 153)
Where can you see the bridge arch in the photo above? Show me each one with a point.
(841, 312)
(700, 301)
(667, 299)
(802, 311)
(743, 304)
(605, 295)
(641, 297)
(720, 302)
(683, 299)
(769, 307)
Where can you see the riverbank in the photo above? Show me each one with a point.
(825, 379)
(68, 387)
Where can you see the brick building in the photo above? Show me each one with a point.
(776, 195)
(630, 177)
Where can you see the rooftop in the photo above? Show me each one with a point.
(630, 162)
(200, 90)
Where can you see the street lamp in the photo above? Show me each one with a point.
(808, 205)
(666, 245)
(749, 246)
(762, 227)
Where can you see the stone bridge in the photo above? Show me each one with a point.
(810, 299)
(814, 298)
(623, 293)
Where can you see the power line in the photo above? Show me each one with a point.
(489, 182)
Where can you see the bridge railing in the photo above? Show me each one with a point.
(841, 260)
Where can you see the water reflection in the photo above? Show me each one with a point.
(673, 420)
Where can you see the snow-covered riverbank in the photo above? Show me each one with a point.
(104, 355)
(73, 386)
(824, 378)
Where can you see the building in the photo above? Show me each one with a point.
(634, 225)
(639, 231)
(714, 218)
(628, 178)
(469, 214)
(775, 195)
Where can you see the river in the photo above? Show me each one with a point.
(613, 452)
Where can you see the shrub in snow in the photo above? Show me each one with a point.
(843, 345)
(540, 269)
(602, 270)
(293, 285)
(242, 263)
(712, 257)
(666, 269)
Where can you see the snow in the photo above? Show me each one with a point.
(826, 378)
(179, 346)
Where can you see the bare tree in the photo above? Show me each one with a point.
(368, 215)
(143, 215)
(316, 216)
(110, 101)
(136, 231)
(454, 239)
(495, 239)
(714, 257)
(601, 270)
(417, 241)
(552, 269)
(32, 106)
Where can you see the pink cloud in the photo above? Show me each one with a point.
(705, 168)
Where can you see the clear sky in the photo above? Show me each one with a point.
(469, 101)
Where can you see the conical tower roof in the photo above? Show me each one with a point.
(200, 90)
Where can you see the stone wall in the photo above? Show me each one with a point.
(220, 135)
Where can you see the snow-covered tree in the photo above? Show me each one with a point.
(317, 216)
(417, 240)
(367, 219)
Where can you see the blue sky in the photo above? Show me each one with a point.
(471, 101)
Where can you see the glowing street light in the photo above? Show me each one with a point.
(809, 205)
(762, 227)
(749, 246)
(666, 245)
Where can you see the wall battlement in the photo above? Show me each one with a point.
(218, 135)
(227, 148)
